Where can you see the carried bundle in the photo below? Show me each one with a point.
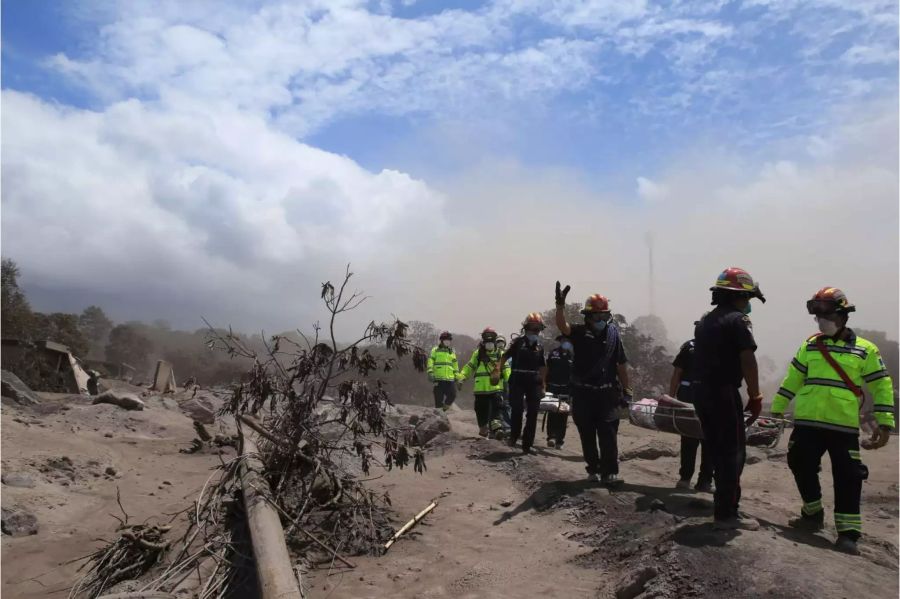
(555, 403)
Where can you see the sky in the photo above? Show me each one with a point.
(182, 160)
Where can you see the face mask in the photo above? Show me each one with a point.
(826, 326)
(444, 343)
(748, 308)
(490, 345)
(600, 326)
(566, 346)
(532, 337)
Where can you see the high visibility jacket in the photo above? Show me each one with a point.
(482, 371)
(442, 364)
(822, 399)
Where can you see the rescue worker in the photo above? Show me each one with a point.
(442, 368)
(486, 366)
(680, 388)
(599, 384)
(526, 381)
(559, 375)
(724, 356)
(824, 380)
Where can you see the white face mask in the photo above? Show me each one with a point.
(827, 327)
(489, 345)
(445, 343)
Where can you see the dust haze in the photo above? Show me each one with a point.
(118, 209)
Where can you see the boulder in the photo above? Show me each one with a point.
(17, 522)
(128, 401)
(651, 451)
(17, 479)
(426, 423)
(15, 389)
(632, 584)
(199, 409)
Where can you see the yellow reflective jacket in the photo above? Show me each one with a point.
(822, 399)
(442, 364)
(482, 370)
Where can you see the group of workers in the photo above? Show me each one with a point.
(589, 368)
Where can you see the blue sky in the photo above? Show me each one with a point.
(652, 77)
(270, 143)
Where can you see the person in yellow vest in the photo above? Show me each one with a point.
(442, 368)
(824, 381)
(484, 366)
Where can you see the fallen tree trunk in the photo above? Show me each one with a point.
(273, 564)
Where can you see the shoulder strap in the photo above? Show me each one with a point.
(823, 349)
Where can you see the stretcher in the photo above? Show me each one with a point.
(667, 414)
(555, 403)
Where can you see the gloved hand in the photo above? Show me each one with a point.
(880, 438)
(627, 398)
(561, 294)
(430, 377)
(754, 407)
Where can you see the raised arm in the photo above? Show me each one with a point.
(561, 323)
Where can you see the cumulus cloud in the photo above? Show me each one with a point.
(190, 187)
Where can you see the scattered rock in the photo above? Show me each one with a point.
(17, 479)
(633, 584)
(753, 459)
(17, 522)
(128, 401)
(199, 409)
(657, 504)
(427, 423)
(108, 435)
(506, 503)
(651, 451)
(110, 471)
(13, 388)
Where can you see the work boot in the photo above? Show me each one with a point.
(559, 444)
(499, 434)
(551, 443)
(813, 523)
(846, 544)
(684, 483)
(511, 442)
(736, 523)
(527, 450)
(483, 431)
(704, 486)
(594, 477)
(445, 407)
(611, 480)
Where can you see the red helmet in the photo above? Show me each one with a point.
(445, 335)
(595, 303)
(828, 300)
(488, 334)
(534, 318)
(738, 279)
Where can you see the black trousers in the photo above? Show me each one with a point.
(689, 447)
(444, 393)
(524, 397)
(487, 407)
(805, 450)
(595, 413)
(556, 426)
(721, 414)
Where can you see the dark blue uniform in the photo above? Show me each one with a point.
(596, 395)
(719, 339)
(525, 388)
(685, 361)
(559, 375)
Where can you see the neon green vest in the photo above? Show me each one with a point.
(822, 399)
(442, 364)
(483, 370)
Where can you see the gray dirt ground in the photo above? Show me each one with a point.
(506, 525)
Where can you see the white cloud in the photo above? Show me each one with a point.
(650, 191)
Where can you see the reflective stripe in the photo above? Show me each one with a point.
(847, 522)
(875, 376)
(827, 383)
(525, 371)
(811, 508)
(796, 364)
(826, 425)
(786, 393)
(586, 386)
(880, 408)
(685, 383)
(838, 349)
(854, 454)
